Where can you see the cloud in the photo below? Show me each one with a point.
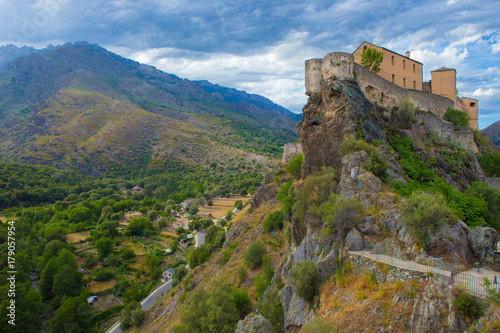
(486, 92)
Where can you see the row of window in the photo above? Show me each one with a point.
(404, 64)
(404, 82)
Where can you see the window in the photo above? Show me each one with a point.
(392, 60)
(342, 58)
(472, 105)
(365, 47)
(404, 82)
(392, 78)
(414, 83)
(404, 64)
(413, 68)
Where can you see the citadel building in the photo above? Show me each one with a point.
(407, 73)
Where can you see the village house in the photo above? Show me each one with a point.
(186, 203)
(167, 274)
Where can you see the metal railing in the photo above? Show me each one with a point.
(471, 283)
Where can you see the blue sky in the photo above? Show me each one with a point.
(260, 46)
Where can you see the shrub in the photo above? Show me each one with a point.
(305, 278)
(378, 166)
(272, 309)
(274, 221)
(255, 254)
(285, 197)
(179, 272)
(423, 214)
(351, 146)
(492, 198)
(317, 326)
(457, 117)
(315, 190)
(294, 167)
(242, 274)
(211, 310)
(132, 315)
(406, 113)
(467, 305)
(241, 301)
(103, 275)
(490, 163)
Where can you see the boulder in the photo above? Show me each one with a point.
(264, 194)
(354, 240)
(298, 313)
(254, 324)
(483, 241)
(329, 265)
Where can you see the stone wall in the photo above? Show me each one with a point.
(446, 131)
(385, 93)
(336, 64)
(290, 150)
(361, 265)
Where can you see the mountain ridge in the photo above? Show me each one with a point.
(74, 80)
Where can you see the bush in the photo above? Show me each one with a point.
(211, 310)
(179, 272)
(351, 146)
(272, 309)
(305, 278)
(274, 221)
(132, 315)
(406, 113)
(457, 117)
(492, 198)
(285, 197)
(317, 326)
(103, 275)
(242, 274)
(467, 305)
(423, 214)
(294, 167)
(255, 254)
(241, 301)
(378, 166)
(490, 163)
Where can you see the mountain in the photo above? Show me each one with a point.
(83, 107)
(11, 52)
(493, 132)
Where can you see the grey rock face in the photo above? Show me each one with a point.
(263, 195)
(483, 242)
(255, 324)
(328, 266)
(354, 240)
(298, 313)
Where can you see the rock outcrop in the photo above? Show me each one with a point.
(255, 324)
(338, 112)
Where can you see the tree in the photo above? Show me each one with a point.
(208, 311)
(305, 278)
(67, 282)
(340, 216)
(104, 247)
(294, 167)
(255, 254)
(73, 316)
(29, 309)
(241, 301)
(371, 59)
(109, 228)
(162, 222)
(179, 273)
(90, 260)
(274, 221)
(132, 315)
(423, 214)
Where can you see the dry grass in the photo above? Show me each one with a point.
(221, 206)
(352, 303)
(77, 236)
(138, 262)
(95, 287)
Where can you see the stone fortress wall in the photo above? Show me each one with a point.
(290, 150)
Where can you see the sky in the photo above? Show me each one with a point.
(260, 46)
